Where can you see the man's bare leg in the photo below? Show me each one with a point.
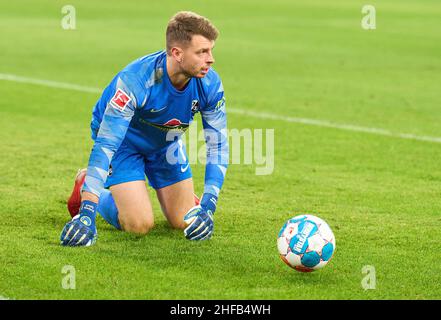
(176, 200)
(135, 213)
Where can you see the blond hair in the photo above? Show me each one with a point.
(184, 25)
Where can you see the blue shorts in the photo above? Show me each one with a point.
(163, 168)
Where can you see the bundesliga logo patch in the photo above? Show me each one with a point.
(120, 100)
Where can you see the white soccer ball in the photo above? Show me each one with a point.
(306, 243)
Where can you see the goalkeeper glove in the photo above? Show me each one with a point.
(81, 230)
(200, 219)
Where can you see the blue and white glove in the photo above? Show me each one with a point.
(199, 219)
(81, 230)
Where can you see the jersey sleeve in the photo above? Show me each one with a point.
(214, 120)
(120, 108)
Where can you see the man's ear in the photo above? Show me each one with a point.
(177, 53)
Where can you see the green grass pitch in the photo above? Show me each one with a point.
(380, 194)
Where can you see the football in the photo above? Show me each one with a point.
(306, 243)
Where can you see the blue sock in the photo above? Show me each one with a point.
(107, 208)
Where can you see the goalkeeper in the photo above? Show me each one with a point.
(136, 128)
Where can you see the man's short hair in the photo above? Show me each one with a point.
(184, 25)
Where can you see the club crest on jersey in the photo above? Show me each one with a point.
(120, 100)
(194, 106)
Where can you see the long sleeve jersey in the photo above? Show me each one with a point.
(142, 108)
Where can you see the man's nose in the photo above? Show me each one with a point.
(210, 58)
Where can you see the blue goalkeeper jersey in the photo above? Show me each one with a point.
(142, 108)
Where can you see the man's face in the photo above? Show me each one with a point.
(197, 57)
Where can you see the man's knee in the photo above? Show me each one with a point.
(138, 226)
(178, 224)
